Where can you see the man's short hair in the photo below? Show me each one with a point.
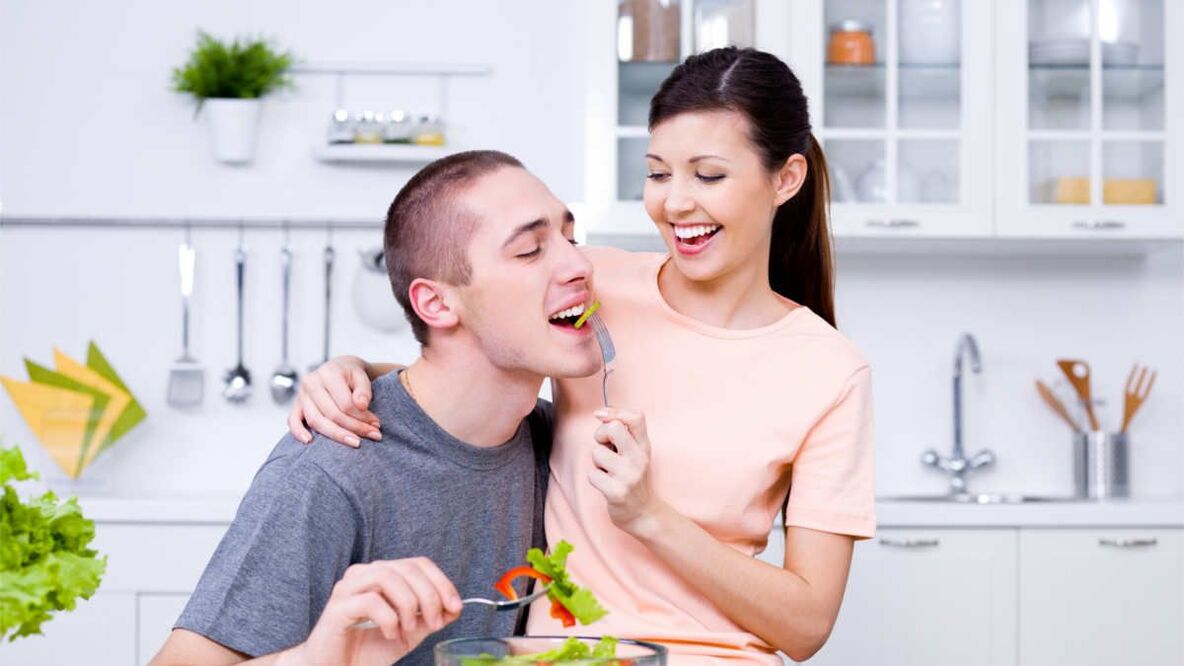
(428, 229)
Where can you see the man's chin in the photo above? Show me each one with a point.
(572, 368)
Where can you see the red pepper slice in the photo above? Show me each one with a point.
(560, 612)
(503, 583)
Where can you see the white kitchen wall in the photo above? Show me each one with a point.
(88, 116)
(88, 128)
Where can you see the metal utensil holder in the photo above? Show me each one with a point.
(1101, 465)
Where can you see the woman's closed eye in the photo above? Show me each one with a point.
(533, 253)
(709, 179)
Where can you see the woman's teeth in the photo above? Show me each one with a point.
(685, 233)
(571, 313)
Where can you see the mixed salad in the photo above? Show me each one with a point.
(570, 603)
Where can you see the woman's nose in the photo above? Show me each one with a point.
(678, 201)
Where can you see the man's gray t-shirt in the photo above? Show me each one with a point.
(313, 510)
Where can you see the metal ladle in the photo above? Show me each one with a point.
(237, 382)
(283, 382)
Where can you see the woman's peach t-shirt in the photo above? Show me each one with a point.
(729, 412)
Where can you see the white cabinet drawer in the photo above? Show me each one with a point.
(1113, 596)
(100, 631)
(928, 596)
(155, 615)
(155, 558)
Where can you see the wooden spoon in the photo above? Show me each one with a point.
(1078, 373)
(1056, 405)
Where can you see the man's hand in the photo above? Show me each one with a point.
(408, 599)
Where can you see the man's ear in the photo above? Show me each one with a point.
(433, 302)
(790, 177)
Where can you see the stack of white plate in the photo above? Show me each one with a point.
(1075, 51)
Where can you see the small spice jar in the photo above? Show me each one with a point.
(398, 128)
(429, 131)
(369, 129)
(851, 43)
(341, 128)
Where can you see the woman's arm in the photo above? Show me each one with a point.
(334, 400)
(792, 608)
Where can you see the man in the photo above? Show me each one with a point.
(397, 531)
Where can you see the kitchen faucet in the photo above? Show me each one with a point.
(957, 465)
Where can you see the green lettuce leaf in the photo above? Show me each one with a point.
(45, 564)
(573, 649)
(580, 601)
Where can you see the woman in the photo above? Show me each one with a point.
(726, 344)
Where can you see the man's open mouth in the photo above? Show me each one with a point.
(568, 317)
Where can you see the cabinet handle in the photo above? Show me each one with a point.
(1128, 543)
(910, 543)
(891, 223)
(1094, 225)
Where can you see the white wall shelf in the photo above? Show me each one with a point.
(381, 153)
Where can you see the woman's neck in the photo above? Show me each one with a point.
(742, 299)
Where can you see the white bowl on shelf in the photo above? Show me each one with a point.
(1075, 51)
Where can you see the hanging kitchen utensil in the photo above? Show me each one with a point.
(187, 376)
(330, 255)
(237, 382)
(283, 382)
(1056, 405)
(1077, 371)
(1135, 393)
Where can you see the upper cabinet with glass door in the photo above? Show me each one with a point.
(900, 94)
(652, 37)
(1090, 118)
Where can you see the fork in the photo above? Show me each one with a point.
(607, 351)
(1135, 392)
(507, 605)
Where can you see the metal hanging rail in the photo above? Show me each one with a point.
(182, 223)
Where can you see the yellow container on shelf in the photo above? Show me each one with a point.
(1129, 191)
(1071, 190)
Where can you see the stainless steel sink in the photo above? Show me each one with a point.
(978, 498)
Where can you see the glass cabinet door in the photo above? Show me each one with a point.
(653, 36)
(1093, 144)
(900, 137)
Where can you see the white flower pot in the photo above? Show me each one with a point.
(234, 124)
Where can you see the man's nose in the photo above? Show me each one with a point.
(574, 266)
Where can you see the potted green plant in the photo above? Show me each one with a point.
(228, 81)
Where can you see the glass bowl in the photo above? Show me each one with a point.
(470, 651)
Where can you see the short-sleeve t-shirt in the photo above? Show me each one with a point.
(733, 416)
(313, 510)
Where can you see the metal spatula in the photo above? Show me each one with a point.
(186, 376)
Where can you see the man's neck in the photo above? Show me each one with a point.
(471, 399)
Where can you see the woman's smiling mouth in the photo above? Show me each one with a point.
(692, 239)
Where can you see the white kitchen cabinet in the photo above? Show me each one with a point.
(100, 631)
(1101, 597)
(905, 135)
(928, 596)
(1089, 111)
(636, 44)
(155, 616)
(151, 570)
(992, 130)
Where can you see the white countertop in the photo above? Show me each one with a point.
(1167, 512)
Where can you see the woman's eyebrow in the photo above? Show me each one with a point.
(697, 158)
